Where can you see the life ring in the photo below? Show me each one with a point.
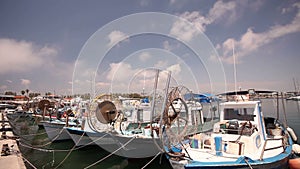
(292, 134)
(128, 113)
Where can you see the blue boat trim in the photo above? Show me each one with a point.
(242, 160)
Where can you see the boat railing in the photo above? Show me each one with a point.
(272, 148)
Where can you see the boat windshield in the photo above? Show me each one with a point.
(243, 114)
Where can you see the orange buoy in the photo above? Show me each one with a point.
(294, 163)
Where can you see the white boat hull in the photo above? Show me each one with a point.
(132, 147)
(56, 131)
(79, 137)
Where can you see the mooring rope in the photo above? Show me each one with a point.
(48, 143)
(52, 150)
(38, 134)
(150, 161)
(70, 151)
(60, 150)
(248, 163)
(110, 153)
(28, 161)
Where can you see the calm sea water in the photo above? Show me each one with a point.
(64, 157)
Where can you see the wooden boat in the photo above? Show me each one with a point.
(81, 135)
(56, 130)
(242, 138)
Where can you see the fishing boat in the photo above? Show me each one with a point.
(295, 98)
(123, 132)
(135, 125)
(242, 138)
(56, 131)
(21, 123)
(84, 135)
(55, 128)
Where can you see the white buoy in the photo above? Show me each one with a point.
(292, 134)
(296, 148)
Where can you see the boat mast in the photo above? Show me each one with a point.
(296, 87)
(234, 69)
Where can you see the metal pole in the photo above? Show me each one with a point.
(154, 100)
(284, 112)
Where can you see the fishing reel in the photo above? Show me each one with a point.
(176, 107)
(102, 115)
(43, 105)
(176, 120)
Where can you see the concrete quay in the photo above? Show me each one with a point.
(11, 157)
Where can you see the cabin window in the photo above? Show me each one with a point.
(140, 115)
(196, 117)
(245, 114)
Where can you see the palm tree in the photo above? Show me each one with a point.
(27, 91)
(22, 92)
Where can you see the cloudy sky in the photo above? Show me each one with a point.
(114, 46)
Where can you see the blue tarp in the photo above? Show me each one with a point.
(202, 98)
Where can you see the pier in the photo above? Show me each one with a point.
(11, 157)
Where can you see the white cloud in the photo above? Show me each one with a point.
(116, 36)
(186, 31)
(218, 12)
(120, 72)
(25, 82)
(251, 41)
(167, 46)
(20, 56)
(290, 8)
(222, 10)
(9, 81)
(3, 87)
(102, 84)
(144, 56)
(122, 77)
(161, 64)
(175, 69)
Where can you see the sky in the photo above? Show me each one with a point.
(70, 47)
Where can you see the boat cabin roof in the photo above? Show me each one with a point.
(241, 111)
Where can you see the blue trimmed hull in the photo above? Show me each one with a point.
(280, 161)
(275, 165)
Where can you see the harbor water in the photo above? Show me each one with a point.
(43, 154)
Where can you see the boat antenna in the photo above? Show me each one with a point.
(296, 93)
(144, 83)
